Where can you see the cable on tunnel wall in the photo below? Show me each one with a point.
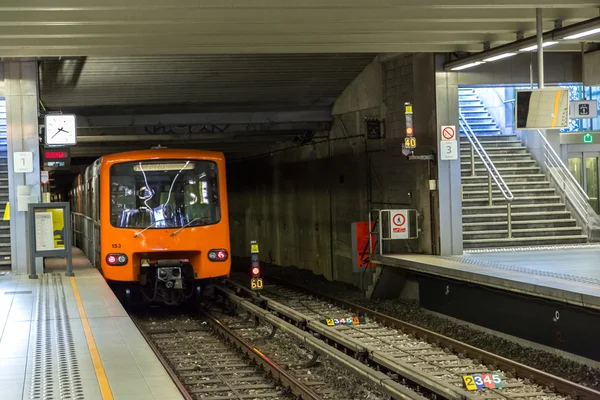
(269, 153)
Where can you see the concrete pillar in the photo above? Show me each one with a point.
(21, 93)
(449, 177)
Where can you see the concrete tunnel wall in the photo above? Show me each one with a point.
(299, 202)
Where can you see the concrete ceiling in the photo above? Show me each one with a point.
(237, 75)
(121, 27)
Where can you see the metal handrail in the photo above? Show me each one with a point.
(571, 188)
(493, 173)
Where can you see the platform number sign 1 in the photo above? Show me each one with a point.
(256, 282)
(483, 381)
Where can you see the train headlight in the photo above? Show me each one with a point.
(218, 255)
(115, 260)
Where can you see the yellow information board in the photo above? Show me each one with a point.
(58, 227)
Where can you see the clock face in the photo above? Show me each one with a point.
(60, 129)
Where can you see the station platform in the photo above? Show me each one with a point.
(547, 297)
(570, 275)
(70, 338)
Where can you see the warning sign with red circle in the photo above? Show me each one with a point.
(448, 132)
(399, 224)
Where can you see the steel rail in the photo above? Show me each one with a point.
(299, 389)
(377, 378)
(561, 385)
(180, 386)
(379, 358)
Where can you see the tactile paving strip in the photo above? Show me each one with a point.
(524, 270)
(55, 370)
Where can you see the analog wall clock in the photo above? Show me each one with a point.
(60, 129)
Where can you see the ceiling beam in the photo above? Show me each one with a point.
(125, 50)
(264, 5)
(317, 114)
(108, 30)
(261, 20)
(186, 138)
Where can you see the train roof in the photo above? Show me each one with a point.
(163, 153)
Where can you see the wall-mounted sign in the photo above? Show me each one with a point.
(56, 157)
(583, 109)
(23, 162)
(449, 150)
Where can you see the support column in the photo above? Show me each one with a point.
(21, 93)
(449, 177)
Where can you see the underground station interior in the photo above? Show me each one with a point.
(299, 200)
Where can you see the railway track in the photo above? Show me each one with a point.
(431, 364)
(208, 361)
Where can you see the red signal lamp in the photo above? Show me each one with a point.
(255, 271)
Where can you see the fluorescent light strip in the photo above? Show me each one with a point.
(499, 57)
(582, 34)
(474, 64)
(534, 47)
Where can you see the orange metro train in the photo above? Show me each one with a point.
(154, 222)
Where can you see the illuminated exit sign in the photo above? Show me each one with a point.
(588, 138)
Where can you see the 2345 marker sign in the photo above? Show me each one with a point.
(482, 381)
(343, 321)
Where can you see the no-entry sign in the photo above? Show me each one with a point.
(448, 132)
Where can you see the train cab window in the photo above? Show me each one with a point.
(164, 194)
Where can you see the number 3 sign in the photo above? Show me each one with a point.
(449, 150)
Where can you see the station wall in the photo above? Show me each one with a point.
(299, 201)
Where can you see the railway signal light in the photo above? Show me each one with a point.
(256, 281)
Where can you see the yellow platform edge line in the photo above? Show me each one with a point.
(89, 337)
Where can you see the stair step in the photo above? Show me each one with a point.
(470, 113)
(471, 106)
(523, 233)
(520, 242)
(517, 200)
(496, 194)
(485, 131)
(493, 142)
(500, 163)
(476, 126)
(517, 208)
(526, 224)
(508, 178)
(497, 159)
(504, 171)
(496, 151)
(515, 187)
(517, 216)
(473, 117)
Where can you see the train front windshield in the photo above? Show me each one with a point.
(164, 194)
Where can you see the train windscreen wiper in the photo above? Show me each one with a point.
(185, 226)
(145, 229)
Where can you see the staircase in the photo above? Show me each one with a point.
(539, 216)
(5, 263)
(476, 114)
